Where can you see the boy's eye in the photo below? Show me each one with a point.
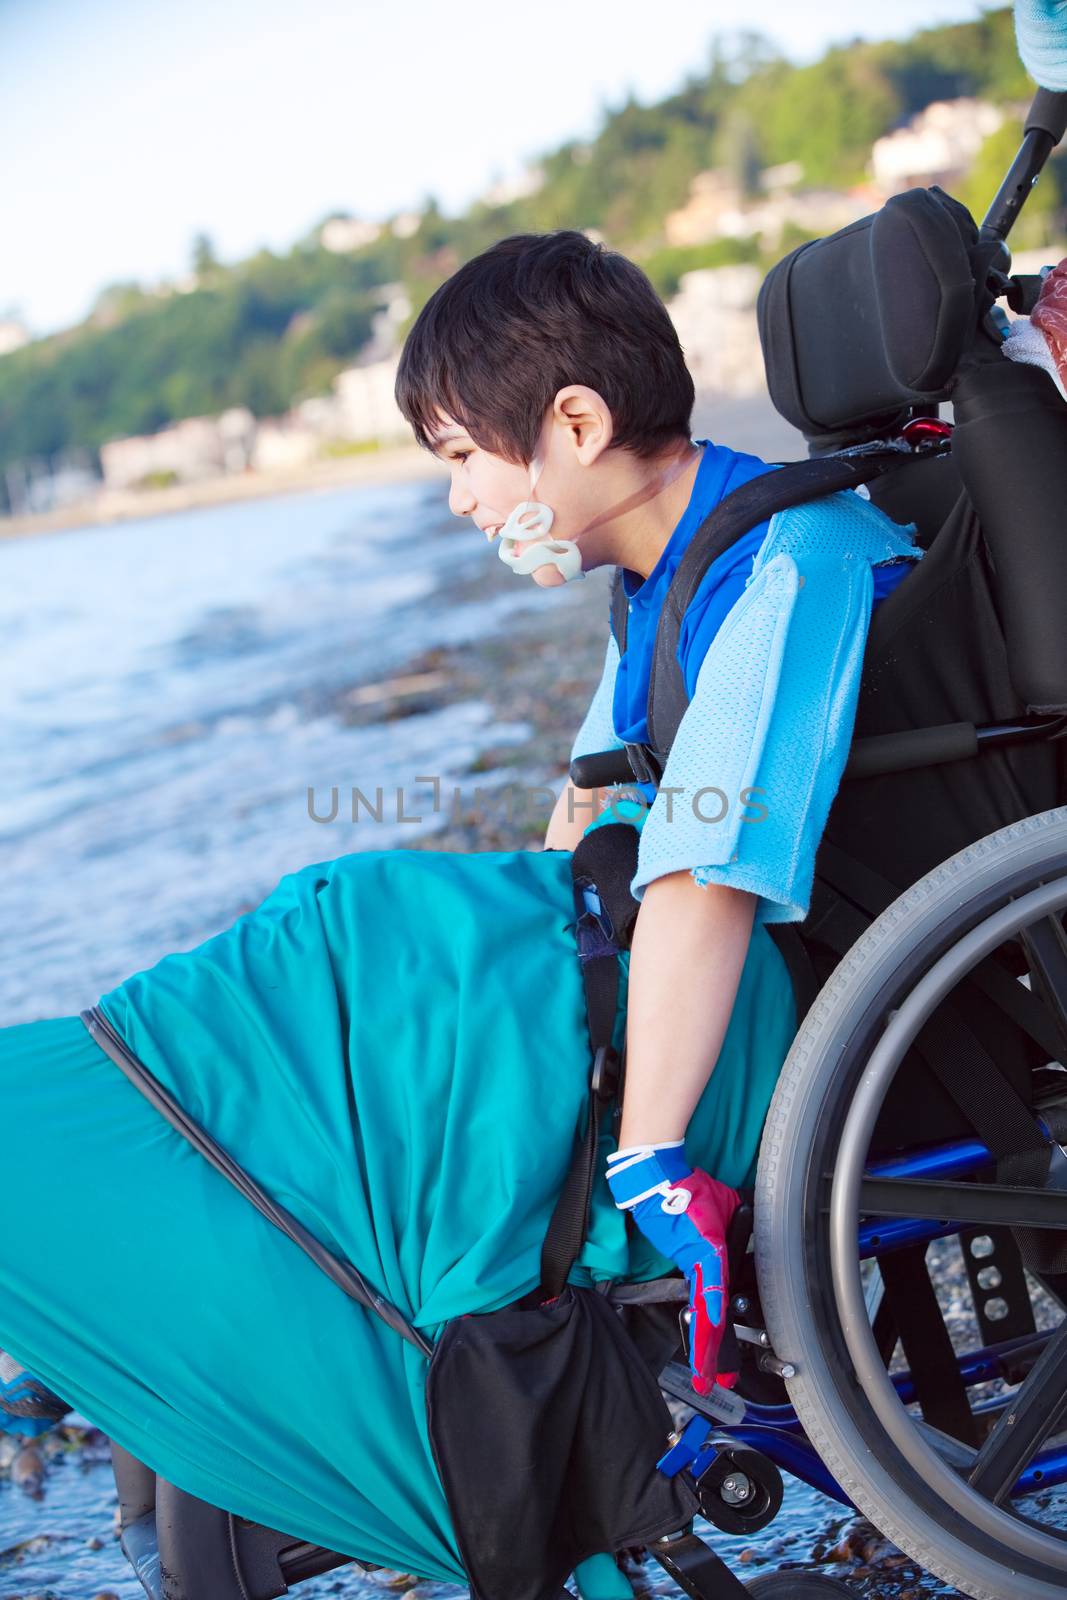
(461, 455)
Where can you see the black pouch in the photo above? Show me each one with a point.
(545, 1422)
(546, 1425)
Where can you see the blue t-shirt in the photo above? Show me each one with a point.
(721, 471)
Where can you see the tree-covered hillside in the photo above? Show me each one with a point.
(277, 328)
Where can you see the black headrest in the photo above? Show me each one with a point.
(860, 326)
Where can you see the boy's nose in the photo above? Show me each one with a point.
(461, 502)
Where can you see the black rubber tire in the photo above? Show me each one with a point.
(797, 1586)
(805, 1118)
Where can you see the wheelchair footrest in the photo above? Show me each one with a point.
(696, 1568)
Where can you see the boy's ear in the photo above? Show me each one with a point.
(585, 416)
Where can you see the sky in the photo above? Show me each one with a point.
(126, 128)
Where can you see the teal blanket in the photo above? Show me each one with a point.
(394, 1044)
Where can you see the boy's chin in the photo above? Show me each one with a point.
(548, 577)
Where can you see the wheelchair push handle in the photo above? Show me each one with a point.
(1046, 122)
(1048, 114)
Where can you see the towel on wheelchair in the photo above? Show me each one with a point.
(394, 1044)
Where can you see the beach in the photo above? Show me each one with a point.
(391, 464)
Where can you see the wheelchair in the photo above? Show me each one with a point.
(900, 1276)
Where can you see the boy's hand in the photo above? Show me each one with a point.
(685, 1214)
(574, 810)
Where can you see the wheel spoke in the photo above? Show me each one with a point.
(983, 1204)
(1045, 944)
(1037, 1411)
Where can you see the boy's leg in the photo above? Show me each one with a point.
(599, 1578)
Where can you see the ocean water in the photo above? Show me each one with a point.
(168, 696)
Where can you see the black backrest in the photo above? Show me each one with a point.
(861, 326)
(888, 315)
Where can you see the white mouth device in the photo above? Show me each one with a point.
(530, 520)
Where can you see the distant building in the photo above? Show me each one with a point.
(41, 485)
(936, 146)
(507, 190)
(13, 335)
(237, 433)
(367, 409)
(284, 442)
(714, 314)
(815, 211)
(406, 224)
(343, 234)
(320, 415)
(712, 197)
(185, 453)
(785, 176)
(716, 209)
(385, 325)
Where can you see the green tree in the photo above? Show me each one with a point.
(737, 150)
(204, 259)
(279, 326)
(828, 115)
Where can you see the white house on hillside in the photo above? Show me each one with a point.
(936, 146)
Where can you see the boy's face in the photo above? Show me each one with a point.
(487, 488)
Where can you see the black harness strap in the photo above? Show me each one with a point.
(753, 502)
(598, 952)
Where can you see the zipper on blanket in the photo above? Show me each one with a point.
(341, 1272)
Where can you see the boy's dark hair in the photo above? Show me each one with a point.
(495, 343)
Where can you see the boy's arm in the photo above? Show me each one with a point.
(576, 808)
(572, 813)
(774, 705)
(774, 701)
(689, 947)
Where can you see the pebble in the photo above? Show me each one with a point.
(27, 1471)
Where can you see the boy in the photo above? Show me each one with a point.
(548, 367)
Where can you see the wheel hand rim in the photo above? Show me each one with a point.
(856, 1134)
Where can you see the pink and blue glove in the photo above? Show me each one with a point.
(685, 1214)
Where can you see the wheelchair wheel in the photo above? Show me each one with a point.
(952, 1507)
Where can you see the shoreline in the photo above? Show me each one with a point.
(746, 422)
(399, 464)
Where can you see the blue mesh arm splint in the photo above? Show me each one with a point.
(772, 711)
